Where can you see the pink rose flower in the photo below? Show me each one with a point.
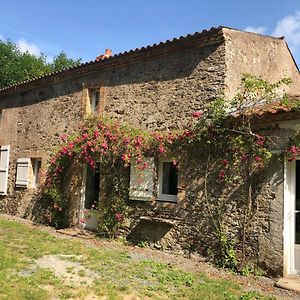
(197, 114)
(63, 137)
(225, 162)
(161, 149)
(96, 134)
(244, 157)
(222, 174)
(118, 216)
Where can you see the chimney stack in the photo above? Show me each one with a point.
(107, 54)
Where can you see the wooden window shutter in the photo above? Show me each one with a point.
(141, 181)
(22, 179)
(4, 163)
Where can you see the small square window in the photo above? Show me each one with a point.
(167, 181)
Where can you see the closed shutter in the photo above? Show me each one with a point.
(141, 181)
(23, 172)
(4, 163)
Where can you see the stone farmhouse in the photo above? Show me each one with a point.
(156, 88)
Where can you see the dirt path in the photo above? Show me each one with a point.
(193, 264)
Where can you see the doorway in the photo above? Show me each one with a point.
(89, 212)
(296, 219)
(292, 218)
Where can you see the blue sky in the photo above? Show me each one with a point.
(83, 29)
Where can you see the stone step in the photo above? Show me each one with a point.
(289, 283)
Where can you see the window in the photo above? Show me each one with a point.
(94, 96)
(167, 181)
(141, 181)
(28, 172)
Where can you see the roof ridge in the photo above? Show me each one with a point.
(256, 33)
(203, 33)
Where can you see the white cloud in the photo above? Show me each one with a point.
(25, 46)
(259, 29)
(1, 37)
(289, 27)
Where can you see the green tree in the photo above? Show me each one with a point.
(61, 61)
(17, 66)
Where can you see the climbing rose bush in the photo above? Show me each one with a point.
(101, 140)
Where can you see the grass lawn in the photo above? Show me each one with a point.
(93, 273)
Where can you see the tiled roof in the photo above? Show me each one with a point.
(204, 37)
(270, 108)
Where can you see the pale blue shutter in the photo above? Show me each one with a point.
(141, 181)
(22, 179)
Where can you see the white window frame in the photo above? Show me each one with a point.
(160, 195)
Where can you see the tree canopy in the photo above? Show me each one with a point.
(17, 66)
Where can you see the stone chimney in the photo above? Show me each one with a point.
(107, 54)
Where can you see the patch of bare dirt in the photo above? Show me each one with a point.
(71, 272)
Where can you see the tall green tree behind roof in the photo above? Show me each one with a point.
(16, 66)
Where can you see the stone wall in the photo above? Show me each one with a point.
(32, 124)
(258, 55)
(162, 94)
(156, 93)
(187, 225)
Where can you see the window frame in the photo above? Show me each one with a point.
(160, 195)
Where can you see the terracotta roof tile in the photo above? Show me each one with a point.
(272, 108)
